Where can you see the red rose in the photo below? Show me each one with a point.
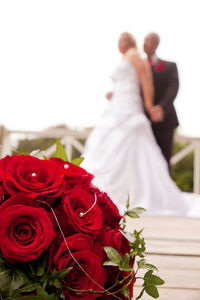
(25, 231)
(3, 166)
(78, 201)
(86, 254)
(111, 216)
(160, 66)
(74, 175)
(28, 174)
(1, 195)
(63, 221)
(115, 239)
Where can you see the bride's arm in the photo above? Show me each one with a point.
(145, 77)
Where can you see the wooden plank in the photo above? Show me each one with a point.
(174, 262)
(172, 247)
(171, 294)
(167, 227)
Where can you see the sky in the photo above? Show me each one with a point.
(56, 57)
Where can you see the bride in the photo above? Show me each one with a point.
(122, 152)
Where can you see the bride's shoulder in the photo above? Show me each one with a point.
(132, 52)
(133, 56)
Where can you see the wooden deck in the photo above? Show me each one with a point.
(173, 245)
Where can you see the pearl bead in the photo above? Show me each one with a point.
(33, 174)
(81, 214)
(66, 166)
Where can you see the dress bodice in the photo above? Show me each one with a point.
(125, 77)
(127, 91)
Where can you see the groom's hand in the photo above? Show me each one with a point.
(157, 113)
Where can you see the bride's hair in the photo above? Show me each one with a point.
(131, 39)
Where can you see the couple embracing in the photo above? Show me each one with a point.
(129, 150)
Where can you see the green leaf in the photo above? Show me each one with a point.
(113, 254)
(150, 267)
(17, 279)
(4, 279)
(141, 294)
(128, 203)
(60, 151)
(151, 279)
(137, 233)
(62, 296)
(109, 263)
(137, 245)
(41, 264)
(141, 263)
(124, 263)
(55, 282)
(152, 291)
(46, 297)
(77, 161)
(125, 291)
(29, 287)
(41, 291)
(138, 210)
(16, 295)
(34, 298)
(33, 270)
(61, 274)
(131, 214)
(53, 274)
(40, 271)
(135, 212)
(148, 275)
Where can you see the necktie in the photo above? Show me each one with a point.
(150, 61)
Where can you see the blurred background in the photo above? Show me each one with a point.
(56, 58)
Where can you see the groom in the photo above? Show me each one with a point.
(166, 83)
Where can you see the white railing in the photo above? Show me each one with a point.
(70, 138)
(193, 146)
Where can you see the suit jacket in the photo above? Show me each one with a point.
(166, 84)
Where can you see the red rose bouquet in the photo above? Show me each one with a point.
(61, 237)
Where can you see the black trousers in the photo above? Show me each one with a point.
(164, 138)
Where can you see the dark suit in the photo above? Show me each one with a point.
(166, 84)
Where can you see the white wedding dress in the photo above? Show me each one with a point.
(122, 154)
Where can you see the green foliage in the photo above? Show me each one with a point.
(35, 277)
(182, 173)
(77, 161)
(113, 255)
(27, 145)
(126, 264)
(60, 151)
(150, 283)
(134, 212)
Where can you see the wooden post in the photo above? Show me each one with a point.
(196, 188)
(6, 147)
